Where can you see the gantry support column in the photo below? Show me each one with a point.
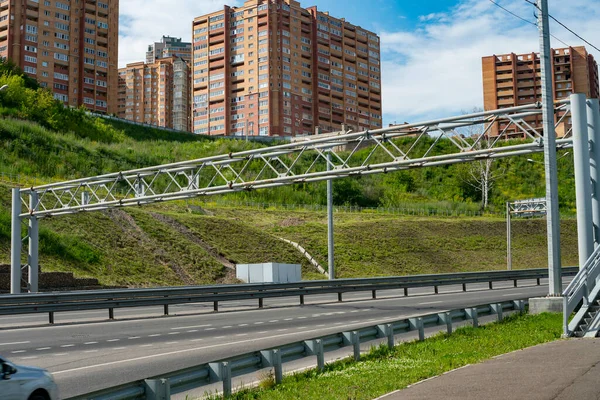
(33, 248)
(15, 244)
(593, 120)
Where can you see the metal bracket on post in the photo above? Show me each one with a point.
(417, 324)
(446, 318)
(353, 338)
(15, 244)
(387, 331)
(315, 348)
(157, 389)
(473, 315)
(497, 308)
(519, 305)
(221, 371)
(272, 358)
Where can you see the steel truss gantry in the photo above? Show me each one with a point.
(318, 158)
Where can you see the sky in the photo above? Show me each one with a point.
(431, 50)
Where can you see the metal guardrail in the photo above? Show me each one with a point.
(582, 289)
(161, 387)
(120, 298)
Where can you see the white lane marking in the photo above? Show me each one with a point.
(173, 333)
(13, 343)
(430, 302)
(259, 323)
(242, 334)
(43, 348)
(91, 351)
(119, 348)
(273, 321)
(192, 331)
(179, 352)
(67, 345)
(219, 337)
(210, 329)
(262, 333)
(155, 335)
(28, 358)
(319, 326)
(113, 340)
(339, 323)
(512, 294)
(59, 354)
(227, 326)
(289, 319)
(243, 325)
(196, 340)
(190, 327)
(281, 330)
(301, 317)
(88, 343)
(353, 311)
(133, 337)
(147, 345)
(171, 342)
(18, 351)
(303, 327)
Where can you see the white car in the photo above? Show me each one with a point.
(18, 382)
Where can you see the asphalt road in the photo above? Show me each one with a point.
(87, 352)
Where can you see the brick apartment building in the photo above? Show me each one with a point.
(169, 47)
(69, 47)
(157, 93)
(515, 79)
(271, 67)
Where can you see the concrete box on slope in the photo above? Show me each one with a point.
(268, 273)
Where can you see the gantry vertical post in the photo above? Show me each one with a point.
(552, 216)
(593, 120)
(15, 244)
(33, 248)
(581, 155)
(508, 239)
(330, 258)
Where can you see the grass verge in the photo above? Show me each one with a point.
(383, 370)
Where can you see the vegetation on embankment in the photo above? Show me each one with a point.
(383, 370)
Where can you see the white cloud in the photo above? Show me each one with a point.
(143, 22)
(435, 71)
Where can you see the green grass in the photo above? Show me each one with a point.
(384, 370)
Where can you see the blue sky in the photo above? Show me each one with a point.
(431, 50)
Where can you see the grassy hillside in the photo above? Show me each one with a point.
(41, 141)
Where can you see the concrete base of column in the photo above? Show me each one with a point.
(540, 305)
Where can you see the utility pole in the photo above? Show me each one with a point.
(552, 216)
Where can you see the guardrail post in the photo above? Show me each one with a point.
(51, 317)
(301, 299)
(405, 291)
(157, 389)
(417, 324)
(315, 348)
(435, 289)
(464, 287)
(539, 281)
(519, 305)
(353, 338)
(166, 309)
(340, 296)
(272, 358)
(216, 306)
(497, 308)
(446, 318)
(374, 294)
(473, 314)
(221, 371)
(491, 285)
(260, 302)
(515, 283)
(111, 313)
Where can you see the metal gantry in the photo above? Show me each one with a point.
(351, 154)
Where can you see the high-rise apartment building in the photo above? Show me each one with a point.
(271, 67)
(515, 79)
(70, 47)
(156, 94)
(169, 47)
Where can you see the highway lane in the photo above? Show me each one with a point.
(187, 309)
(89, 356)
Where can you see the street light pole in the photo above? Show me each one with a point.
(552, 217)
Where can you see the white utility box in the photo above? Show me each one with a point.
(268, 273)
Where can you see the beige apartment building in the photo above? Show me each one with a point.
(273, 68)
(156, 94)
(169, 47)
(515, 79)
(70, 47)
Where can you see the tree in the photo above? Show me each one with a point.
(481, 174)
